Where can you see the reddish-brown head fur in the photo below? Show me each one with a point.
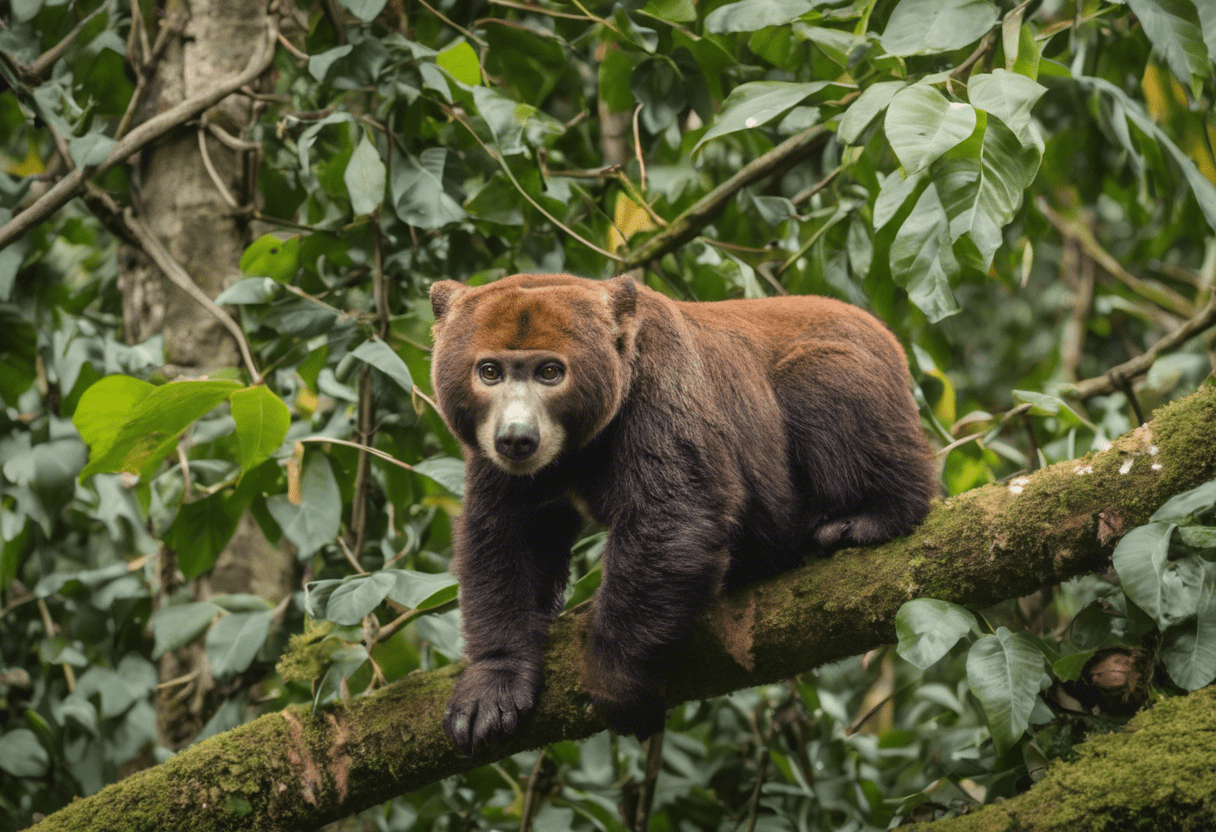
(586, 326)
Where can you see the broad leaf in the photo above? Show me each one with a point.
(444, 470)
(261, 423)
(175, 627)
(1188, 649)
(921, 125)
(1010, 97)
(1176, 33)
(756, 103)
(920, 26)
(21, 755)
(317, 518)
(364, 177)
(1189, 506)
(234, 641)
(201, 530)
(1005, 672)
(928, 628)
(421, 590)
(922, 261)
(419, 198)
(1167, 591)
(750, 15)
(356, 596)
(862, 112)
(381, 356)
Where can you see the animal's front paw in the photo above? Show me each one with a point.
(487, 704)
(641, 714)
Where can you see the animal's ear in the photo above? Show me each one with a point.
(623, 297)
(623, 301)
(442, 294)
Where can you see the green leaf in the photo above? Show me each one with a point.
(1043, 404)
(1188, 649)
(342, 665)
(150, 429)
(356, 596)
(271, 256)
(1010, 97)
(917, 27)
(381, 356)
(21, 755)
(922, 261)
(251, 290)
(261, 420)
(614, 73)
(1189, 506)
(862, 112)
(460, 61)
(421, 590)
(921, 125)
(1176, 33)
(365, 177)
(234, 641)
(91, 149)
(319, 64)
(672, 11)
(444, 470)
(756, 103)
(417, 187)
(175, 627)
(1168, 591)
(104, 407)
(316, 520)
(1006, 672)
(365, 10)
(1068, 668)
(929, 628)
(201, 530)
(510, 120)
(751, 15)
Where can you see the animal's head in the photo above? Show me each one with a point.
(532, 365)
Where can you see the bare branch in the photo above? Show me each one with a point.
(152, 129)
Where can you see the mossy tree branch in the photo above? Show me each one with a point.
(293, 770)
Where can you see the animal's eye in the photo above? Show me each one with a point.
(489, 372)
(551, 373)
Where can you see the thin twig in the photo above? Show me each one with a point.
(36, 72)
(654, 761)
(211, 171)
(531, 804)
(174, 25)
(984, 47)
(373, 451)
(48, 624)
(528, 7)
(174, 271)
(229, 140)
(502, 163)
(454, 25)
(805, 194)
(637, 146)
(144, 134)
(1141, 364)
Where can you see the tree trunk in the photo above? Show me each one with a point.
(190, 210)
(296, 770)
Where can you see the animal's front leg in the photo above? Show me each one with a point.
(512, 568)
(659, 572)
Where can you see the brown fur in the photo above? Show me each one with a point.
(718, 442)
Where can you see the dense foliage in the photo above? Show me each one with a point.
(1023, 192)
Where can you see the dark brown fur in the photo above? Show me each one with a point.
(717, 442)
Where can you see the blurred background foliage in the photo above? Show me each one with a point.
(1022, 191)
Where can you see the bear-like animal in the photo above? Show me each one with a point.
(717, 442)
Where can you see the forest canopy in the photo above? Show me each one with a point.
(225, 492)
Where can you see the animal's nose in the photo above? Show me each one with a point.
(517, 440)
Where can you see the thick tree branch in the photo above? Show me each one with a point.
(293, 770)
(152, 129)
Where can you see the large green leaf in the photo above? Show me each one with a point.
(356, 596)
(922, 261)
(105, 407)
(381, 356)
(445, 470)
(261, 420)
(1005, 672)
(234, 641)
(174, 627)
(421, 590)
(201, 530)
(981, 182)
(756, 103)
(1177, 34)
(1188, 649)
(1184, 509)
(928, 628)
(316, 520)
(921, 125)
(862, 112)
(1166, 590)
(750, 15)
(1010, 97)
(21, 755)
(920, 26)
(512, 121)
(419, 198)
(149, 430)
(364, 177)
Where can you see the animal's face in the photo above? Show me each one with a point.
(531, 365)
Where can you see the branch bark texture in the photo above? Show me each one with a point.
(296, 770)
